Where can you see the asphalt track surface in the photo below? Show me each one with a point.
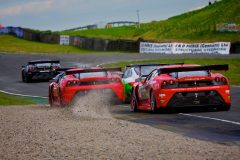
(204, 124)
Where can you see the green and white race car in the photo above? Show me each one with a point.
(134, 73)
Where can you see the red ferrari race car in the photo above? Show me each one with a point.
(184, 85)
(79, 81)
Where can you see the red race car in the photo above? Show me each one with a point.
(80, 81)
(184, 85)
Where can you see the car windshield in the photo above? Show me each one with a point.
(145, 70)
(189, 74)
(90, 74)
(43, 65)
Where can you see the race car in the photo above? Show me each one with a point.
(80, 81)
(184, 85)
(132, 74)
(40, 70)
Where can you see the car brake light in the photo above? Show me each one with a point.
(220, 81)
(217, 79)
(164, 83)
(72, 83)
(55, 67)
(30, 68)
(224, 80)
(115, 80)
(171, 82)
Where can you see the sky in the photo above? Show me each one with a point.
(66, 14)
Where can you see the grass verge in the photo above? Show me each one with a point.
(12, 44)
(6, 99)
(232, 74)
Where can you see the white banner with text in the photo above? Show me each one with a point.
(180, 48)
(64, 40)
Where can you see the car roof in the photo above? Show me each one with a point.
(43, 61)
(40, 60)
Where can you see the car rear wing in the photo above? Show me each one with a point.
(47, 61)
(153, 64)
(62, 69)
(94, 70)
(194, 68)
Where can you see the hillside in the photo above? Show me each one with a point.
(15, 45)
(199, 25)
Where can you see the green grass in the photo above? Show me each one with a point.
(194, 26)
(233, 74)
(15, 45)
(6, 99)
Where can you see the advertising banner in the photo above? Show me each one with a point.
(228, 27)
(180, 48)
(64, 40)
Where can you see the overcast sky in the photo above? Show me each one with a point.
(65, 14)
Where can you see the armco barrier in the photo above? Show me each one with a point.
(30, 35)
(100, 44)
(49, 38)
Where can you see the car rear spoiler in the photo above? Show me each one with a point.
(62, 69)
(194, 68)
(37, 62)
(94, 70)
(153, 64)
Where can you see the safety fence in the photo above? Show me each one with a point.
(83, 42)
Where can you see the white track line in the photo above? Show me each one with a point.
(216, 119)
(236, 86)
(15, 94)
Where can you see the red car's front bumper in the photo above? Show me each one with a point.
(196, 96)
(69, 92)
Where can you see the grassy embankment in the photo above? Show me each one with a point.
(12, 44)
(232, 74)
(194, 26)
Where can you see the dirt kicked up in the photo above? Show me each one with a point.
(87, 130)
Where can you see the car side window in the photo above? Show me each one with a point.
(127, 73)
(152, 75)
(149, 76)
(60, 77)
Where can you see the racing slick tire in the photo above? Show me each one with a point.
(25, 78)
(153, 103)
(50, 98)
(60, 99)
(133, 103)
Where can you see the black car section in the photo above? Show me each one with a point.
(40, 70)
